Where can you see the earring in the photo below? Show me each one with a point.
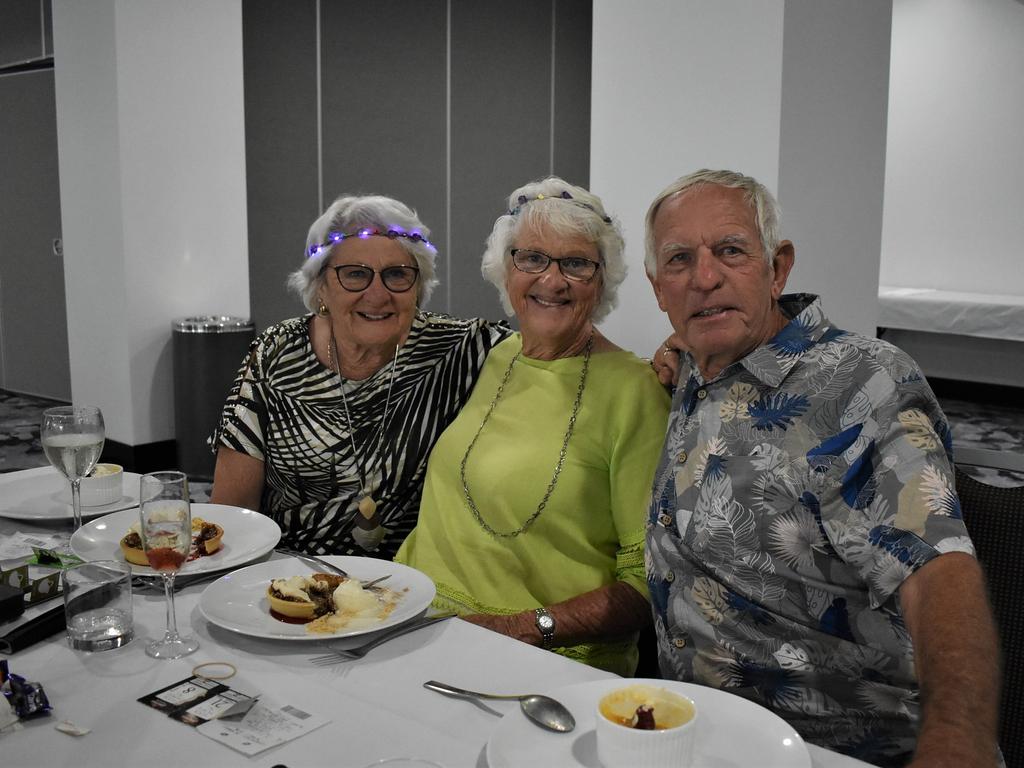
(321, 309)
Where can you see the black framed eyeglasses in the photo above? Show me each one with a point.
(357, 277)
(571, 267)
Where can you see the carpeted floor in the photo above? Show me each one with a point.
(977, 425)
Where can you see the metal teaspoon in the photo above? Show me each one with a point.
(543, 710)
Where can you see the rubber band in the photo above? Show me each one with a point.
(226, 664)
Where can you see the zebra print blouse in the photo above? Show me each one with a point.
(285, 409)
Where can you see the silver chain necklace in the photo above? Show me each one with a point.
(561, 454)
(367, 504)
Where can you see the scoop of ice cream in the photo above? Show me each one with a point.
(352, 599)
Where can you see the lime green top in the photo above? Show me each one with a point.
(590, 534)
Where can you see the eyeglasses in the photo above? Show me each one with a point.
(357, 277)
(571, 267)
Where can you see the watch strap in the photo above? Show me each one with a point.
(545, 624)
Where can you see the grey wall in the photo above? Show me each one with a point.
(835, 80)
(447, 105)
(33, 317)
(25, 31)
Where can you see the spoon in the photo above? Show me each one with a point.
(543, 710)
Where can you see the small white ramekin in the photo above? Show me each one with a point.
(104, 486)
(619, 746)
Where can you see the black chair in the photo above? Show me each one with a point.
(995, 519)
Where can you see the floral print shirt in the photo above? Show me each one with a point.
(795, 492)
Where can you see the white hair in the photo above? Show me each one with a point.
(350, 213)
(567, 210)
(756, 195)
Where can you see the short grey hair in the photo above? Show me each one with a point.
(567, 210)
(756, 195)
(354, 212)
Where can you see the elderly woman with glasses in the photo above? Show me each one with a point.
(329, 423)
(532, 520)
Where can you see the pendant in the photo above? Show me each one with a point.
(367, 507)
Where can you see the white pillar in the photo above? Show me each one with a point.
(680, 85)
(151, 143)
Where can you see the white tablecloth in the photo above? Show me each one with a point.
(377, 706)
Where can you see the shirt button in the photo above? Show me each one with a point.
(665, 519)
(682, 457)
(701, 394)
(670, 577)
(679, 642)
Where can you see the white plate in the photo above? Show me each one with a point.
(238, 600)
(732, 732)
(43, 494)
(247, 535)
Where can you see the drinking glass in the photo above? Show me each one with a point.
(72, 439)
(165, 524)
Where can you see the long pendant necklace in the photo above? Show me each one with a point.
(367, 504)
(561, 454)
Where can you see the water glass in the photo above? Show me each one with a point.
(98, 605)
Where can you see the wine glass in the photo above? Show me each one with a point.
(165, 524)
(72, 440)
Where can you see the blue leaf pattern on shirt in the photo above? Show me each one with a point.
(836, 621)
(858, 490)
(903, 545)
(795, 339)
(810, 501)
(777, 410)
(945, 435)
(715, 467)
(773, 684)
(836, 445)
(746, 608)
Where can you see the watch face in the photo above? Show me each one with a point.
(545, 622)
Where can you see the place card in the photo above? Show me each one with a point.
(264, 726)
(201, 702)
(194, 700)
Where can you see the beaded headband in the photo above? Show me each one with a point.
(523, 200)
(391, 233)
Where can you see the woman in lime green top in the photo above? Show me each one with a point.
(532, 519)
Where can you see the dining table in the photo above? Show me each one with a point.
(376, 708)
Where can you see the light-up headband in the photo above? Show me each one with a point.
(391, 233)
(523, 200)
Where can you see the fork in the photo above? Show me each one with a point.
(315, 561)
(351, 654)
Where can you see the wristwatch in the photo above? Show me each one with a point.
(545, 625)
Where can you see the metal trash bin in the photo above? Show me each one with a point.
(208, 351)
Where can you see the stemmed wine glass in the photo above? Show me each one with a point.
(165, 523)
(72, 439)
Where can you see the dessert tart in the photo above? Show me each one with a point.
(207, 539)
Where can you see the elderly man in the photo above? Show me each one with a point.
(805, 544)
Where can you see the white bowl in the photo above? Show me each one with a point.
(670, 745)
(104, 486)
